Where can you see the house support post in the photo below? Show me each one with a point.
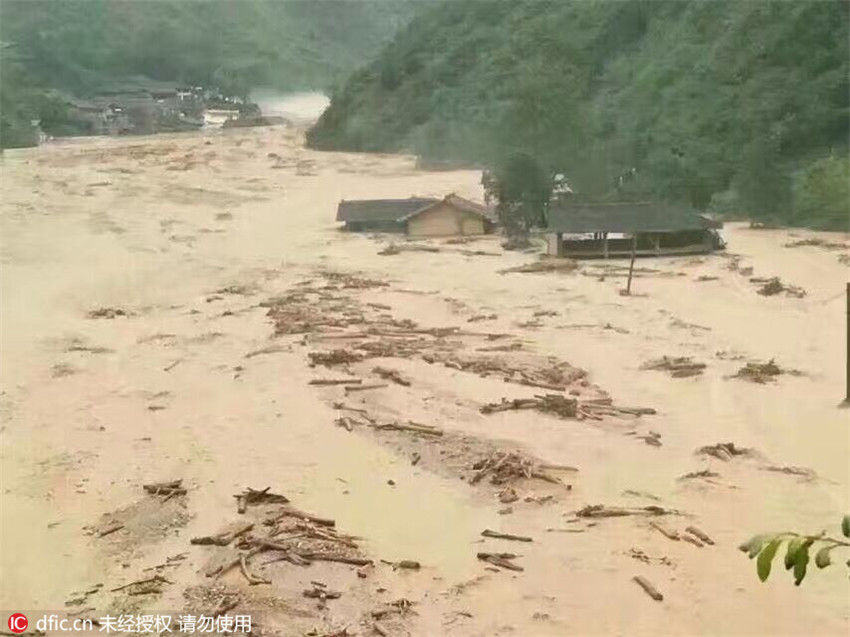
(559, 244)
(605, 245)
(632, 264)
(846, 402)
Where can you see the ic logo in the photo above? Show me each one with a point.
(18, 623)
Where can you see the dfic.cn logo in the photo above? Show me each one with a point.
(18, 623)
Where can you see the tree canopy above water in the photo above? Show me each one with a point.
(685, 100)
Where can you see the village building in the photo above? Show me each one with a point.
(417, 216)
(603, 230)
(93, 116)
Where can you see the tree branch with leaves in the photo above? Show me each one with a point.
(799, 549)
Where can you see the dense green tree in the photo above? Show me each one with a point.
(689, 98)
(521, 188)
(822, 193)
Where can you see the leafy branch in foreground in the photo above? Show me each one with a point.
(798, 552)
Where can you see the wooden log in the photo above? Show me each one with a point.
(488, 467)
(378, 628)
(556, 467)
(170, 488)
(542, 475)
(112, 528)
(220, 570)
(252, 579)
(500, 560)
(335, 381)
(648, 588)
(668, 533)
(692, 540)
(533, 383)
(603, 511)
(226, 604)
(701, 535)
(318, 593)
(328, 537)
(258, 496)
(156, 579)
(505, 536)
(327, 557)
(352, 388)
(633, 411)
(288, 554)
(295, 513)
(509, 405)
(222, 538)
(411, 426)
(391, 374)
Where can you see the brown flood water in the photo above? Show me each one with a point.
(157, 225)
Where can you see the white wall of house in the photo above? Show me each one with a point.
(445, 220)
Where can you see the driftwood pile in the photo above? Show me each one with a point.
(107, 313)
(564, 407)
(393, 249)
(347, 281)
(168, 489)
(548, 403)
(505, 467)
(760, 372)
(292, 535)
(553, 375)
(774, 285)
(297, 313)
(251, 497)
(678, 366)
(391, 375)
(820, 243)
(334, 357)
(603, 511)
(724, 451)
(502, 560)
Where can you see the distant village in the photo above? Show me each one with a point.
(141, 106)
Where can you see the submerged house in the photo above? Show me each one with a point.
(603, 230)
(417, 216)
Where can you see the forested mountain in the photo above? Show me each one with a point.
(730, 104)
(79, 46)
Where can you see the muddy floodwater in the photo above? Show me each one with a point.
(299, 107)
(184, 307)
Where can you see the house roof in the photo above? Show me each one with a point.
(403, 209)
(627, 218)
(83, 105)
(456, 202)
(381, 209)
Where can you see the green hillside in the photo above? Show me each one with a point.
(741, 106)
(79, 46)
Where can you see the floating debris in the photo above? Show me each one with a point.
(544, 265)
(107, 313)
(724, 451)
(504, 467)
(678, 366)
(762, 373)
(774, 285)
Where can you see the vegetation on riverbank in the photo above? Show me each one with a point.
(81, 46)
(733, 106)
